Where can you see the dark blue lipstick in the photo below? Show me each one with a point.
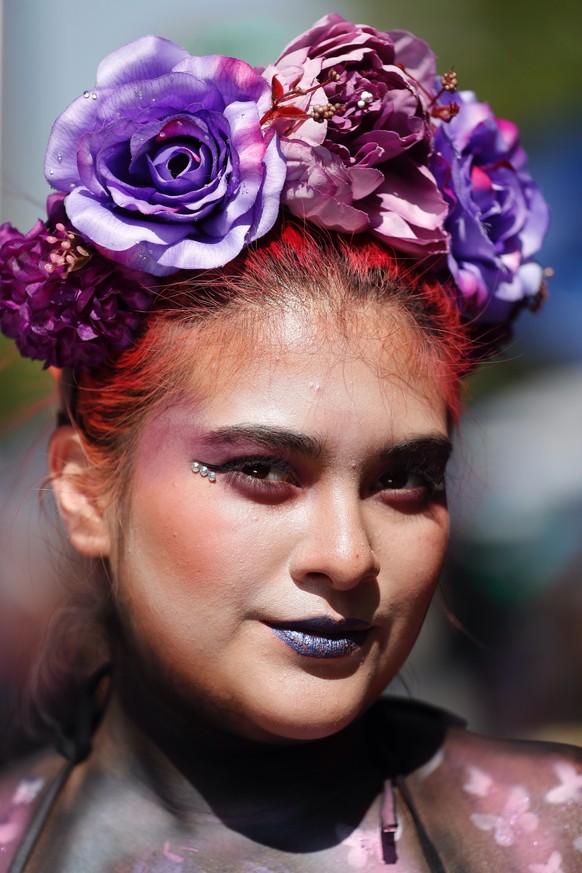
(323, 637)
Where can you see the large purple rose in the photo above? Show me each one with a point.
(377, 142)
(497, 215)
(63, 304)
(165, 164)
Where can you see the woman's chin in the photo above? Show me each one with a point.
(297, 706)
(301, 721)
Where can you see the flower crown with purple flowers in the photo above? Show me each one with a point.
(174, 162)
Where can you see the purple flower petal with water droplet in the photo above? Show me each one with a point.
(171, 152)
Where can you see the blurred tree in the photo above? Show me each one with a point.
(521, 56)
(24, 385)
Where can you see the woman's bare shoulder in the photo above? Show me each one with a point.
(39, 766)
(23, 785)
(515, 803)
(550, 773)
(427, 736)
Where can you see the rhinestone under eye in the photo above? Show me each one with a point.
(197, 467)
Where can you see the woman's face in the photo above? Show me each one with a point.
(278, 600)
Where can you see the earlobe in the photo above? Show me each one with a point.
(79, 505)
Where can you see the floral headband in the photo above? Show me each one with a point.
(176, 162)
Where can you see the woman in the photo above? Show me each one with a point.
(251, 461)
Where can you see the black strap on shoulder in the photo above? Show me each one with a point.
(74, 743)
(433, 859)
(406, 734)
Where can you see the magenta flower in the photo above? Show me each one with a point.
(416, 58)
(375, 121)
(322, 189)
(165, 164)
(497, 216)
(295, 91)
(63, 303)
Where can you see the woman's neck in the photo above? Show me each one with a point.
(192, 767)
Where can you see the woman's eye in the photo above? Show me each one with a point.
(411, 485)
(263, 473)
(403, 480)
(265, 470)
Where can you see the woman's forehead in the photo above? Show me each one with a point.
(379, 334)
(300, 372)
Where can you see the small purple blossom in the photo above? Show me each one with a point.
(378, 139)
(497, 216)
(66, 317)
(165, 164)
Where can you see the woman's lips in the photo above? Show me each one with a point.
(323, 637)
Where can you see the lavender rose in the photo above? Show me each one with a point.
(378, 139)
(62, 303)
(497, 216)
(165, 164)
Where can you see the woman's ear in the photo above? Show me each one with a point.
(78, 502)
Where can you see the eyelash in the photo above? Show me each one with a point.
(234, 470)
(430, 485)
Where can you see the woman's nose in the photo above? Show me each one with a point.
(335, 545)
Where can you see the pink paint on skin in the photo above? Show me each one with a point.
(322, 508)
(171, 856)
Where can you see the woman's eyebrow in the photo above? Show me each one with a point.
(434, 446)
(267, 438)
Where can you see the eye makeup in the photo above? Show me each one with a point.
(198, 467)
(414, 470)
(408, 472)
(259, 476)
